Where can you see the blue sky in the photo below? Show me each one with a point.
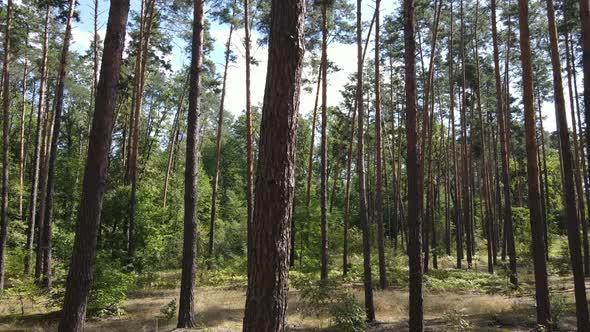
(343, 55)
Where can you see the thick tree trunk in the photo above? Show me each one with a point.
(6, 142)
(95, 174)
(568, 172)
(536, 217)
(186, 312)
(414, 222)
(266, 302)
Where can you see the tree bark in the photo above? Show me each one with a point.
(324, 148)
(38, 137)
(413, 165)
(568, 173)
(504, 142)
(59, 105)
(536, 216)
(6, 141)
(379, 153)
(186, 312)
(266, 301)
(249, 143)
(83, 256)
(360, 165)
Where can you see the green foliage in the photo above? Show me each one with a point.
(169, 310)
(457, 321)
(318, 297)
(110, 288)
(23, 290)
(348, 315)
(465, 280)
(558, 309)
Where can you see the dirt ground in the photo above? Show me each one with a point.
(221, 309)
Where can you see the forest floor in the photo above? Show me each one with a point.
(220, 308)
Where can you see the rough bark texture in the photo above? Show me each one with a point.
(414, 222)
(573, 228)
(186, 312)
(266, 301)
(536, 216)
(95, 174)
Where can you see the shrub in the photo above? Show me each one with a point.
(456, 321)
(348, 315)
(23, 289)
(169, 310)
(317, 297)
(109, 289)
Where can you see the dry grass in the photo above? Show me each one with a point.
(221, 309)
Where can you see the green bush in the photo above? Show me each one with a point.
(169, 310)
(317, 297)
(348, 315)
(109, 289)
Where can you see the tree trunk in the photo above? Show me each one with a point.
(536, 216)
(95, 174)
(59, 105)
(186, 312)
(457, 201)
(504, 142)
(379, 154)
(218, 148)
(37, 157)
(22, 154)
(324, 148)
(266, 301)
(173, 142)
(577, 163)
(585, 41)
(364, 217)
(6, 141)
(141, 59)
(568, 172)
(249, 144)
(414, 222)
(347, 194)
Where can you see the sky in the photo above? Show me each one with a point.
(344, 56)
